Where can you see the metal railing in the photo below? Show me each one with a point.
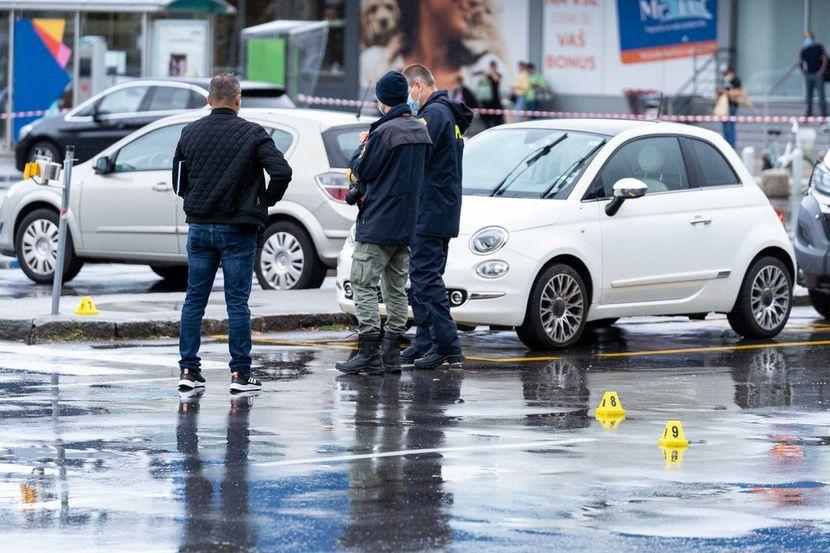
(704, 78)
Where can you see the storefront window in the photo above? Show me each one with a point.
(763, 60)
(110, 51)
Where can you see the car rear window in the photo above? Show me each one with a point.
(341, 142)
(266, 98)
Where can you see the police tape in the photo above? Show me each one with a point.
(319, 100)
(34, 113)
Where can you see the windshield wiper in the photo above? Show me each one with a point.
(529, 160)
(573, 167)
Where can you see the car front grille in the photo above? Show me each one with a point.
(456, 297)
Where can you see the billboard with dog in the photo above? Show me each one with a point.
(452, 37)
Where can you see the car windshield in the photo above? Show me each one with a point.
(527, 163)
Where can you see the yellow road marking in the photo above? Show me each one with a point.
(340, 344)
(715, 348)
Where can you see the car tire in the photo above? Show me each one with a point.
(556, 309)
(50, 148)
(287, 259)
(764, 300)
(821, 302)
(36, 244)
(172, 273)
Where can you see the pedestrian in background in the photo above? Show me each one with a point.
(463, 95)
(519, 91)
(218, 168)
(813, 63)
(390, 165)
(492, 98)
(538, 89)
(730, 94)
(439, 212)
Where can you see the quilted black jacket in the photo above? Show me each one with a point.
(218, 170)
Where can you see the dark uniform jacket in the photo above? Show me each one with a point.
(218, 170)
(392, 165)
(440, 204)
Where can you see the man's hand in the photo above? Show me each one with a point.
(364, 136)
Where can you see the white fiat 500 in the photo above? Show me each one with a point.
(568, 223)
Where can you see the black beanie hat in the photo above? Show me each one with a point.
(392, 89)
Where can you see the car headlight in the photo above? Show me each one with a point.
(350, 239)
(25, 129)
(488, 240)
(492, 269)
(821, 178)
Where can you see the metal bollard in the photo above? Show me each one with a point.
(748, 157)
(57, 283)
(797, 167)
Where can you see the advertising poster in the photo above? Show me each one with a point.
(666, 29)
(180, 48)
(452, 37)
(605, 47)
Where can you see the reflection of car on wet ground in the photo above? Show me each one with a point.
(812, 237)
(123, 208)
(579, 222)
(121, 109)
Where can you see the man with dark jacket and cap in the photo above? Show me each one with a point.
(439, 211)
(218, 168)
(390, 165)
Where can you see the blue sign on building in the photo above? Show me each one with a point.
(652, 30)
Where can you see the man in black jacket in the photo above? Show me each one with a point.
(439, 212)
(391, 164)
(218, 170)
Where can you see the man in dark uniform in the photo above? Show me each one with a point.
(390, 165)
(439, 211)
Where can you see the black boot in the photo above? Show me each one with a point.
(367, 358)
(391, 353)
(413, 352)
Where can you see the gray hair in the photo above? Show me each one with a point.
(224, 88)
(418, 72)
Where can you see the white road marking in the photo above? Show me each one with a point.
(119, 356)
(486, 447)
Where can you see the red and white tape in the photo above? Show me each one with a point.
(35, 113)
(318, 100)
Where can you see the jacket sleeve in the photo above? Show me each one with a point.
(369, 159)
(277, 168)
(436, 127)
(179, 171)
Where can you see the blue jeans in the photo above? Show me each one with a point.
(235, 247)
(811, 82)
(521, 105)
(436, 328)
(729, 126)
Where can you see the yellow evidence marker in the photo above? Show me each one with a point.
(673, 436)
(610, 422)
(673, 455)
(87, 307)
(610, 406)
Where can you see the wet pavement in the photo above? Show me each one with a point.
(99, 453)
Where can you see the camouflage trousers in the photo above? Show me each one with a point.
(389, 265)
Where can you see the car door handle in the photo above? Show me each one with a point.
(703, 221)
(162, 187)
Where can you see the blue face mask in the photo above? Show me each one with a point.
(808, 42)
(414, 105)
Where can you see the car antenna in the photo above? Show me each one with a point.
(363, 101)
(659, 108)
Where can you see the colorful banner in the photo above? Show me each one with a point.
(652, 30)
(40, 58)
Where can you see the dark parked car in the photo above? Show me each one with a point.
(812, 237)
(119, 110)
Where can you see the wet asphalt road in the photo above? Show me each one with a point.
(99, 452)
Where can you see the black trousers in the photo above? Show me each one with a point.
(435, 327)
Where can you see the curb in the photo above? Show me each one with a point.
(37, 331)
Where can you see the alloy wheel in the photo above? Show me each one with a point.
(770, 297)
(562, 308)
(40, 246)
(282, 260)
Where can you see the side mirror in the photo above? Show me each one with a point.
(625, 189)
(103, 165)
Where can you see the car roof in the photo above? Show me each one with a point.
(610, 127)
(204, 82)
(325, 118)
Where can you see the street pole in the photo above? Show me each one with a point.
(57, 283)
